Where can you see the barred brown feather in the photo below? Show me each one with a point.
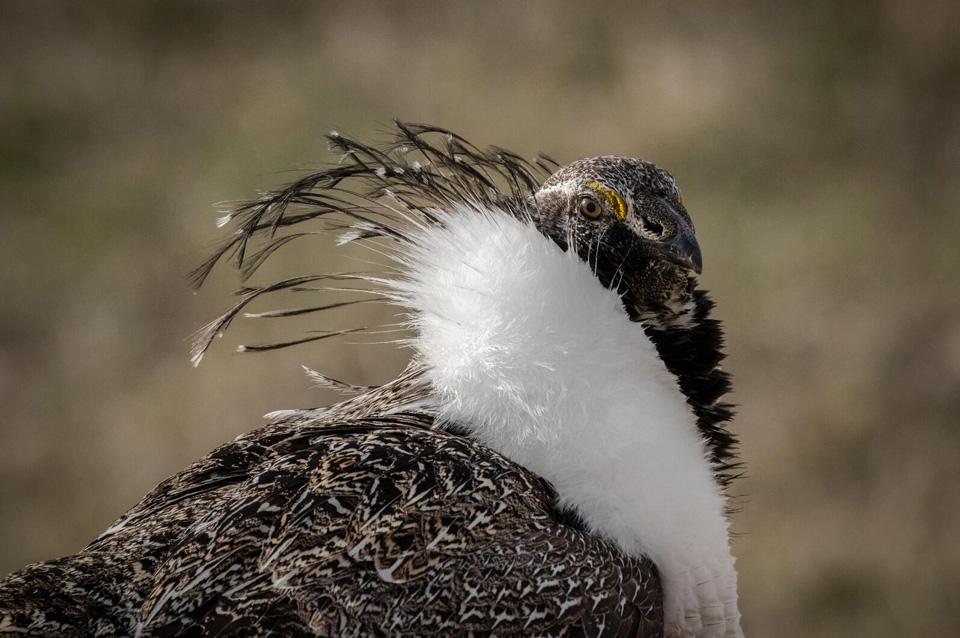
(350, 525)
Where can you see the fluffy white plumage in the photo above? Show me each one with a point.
(521, 342)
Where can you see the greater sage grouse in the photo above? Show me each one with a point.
(553, 462)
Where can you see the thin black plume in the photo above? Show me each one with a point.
(373, 193)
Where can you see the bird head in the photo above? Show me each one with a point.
(626, 219)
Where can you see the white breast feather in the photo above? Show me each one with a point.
(525, 347)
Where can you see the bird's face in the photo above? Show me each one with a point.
(625, 218)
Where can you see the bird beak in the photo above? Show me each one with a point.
(681, 248)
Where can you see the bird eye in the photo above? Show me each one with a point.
(589, 207)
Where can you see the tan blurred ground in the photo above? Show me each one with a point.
(818, 147)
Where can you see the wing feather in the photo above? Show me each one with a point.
(372, 526)
(385, 529)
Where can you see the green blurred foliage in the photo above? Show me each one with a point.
(817, 143)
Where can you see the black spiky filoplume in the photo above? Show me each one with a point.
(361, 519)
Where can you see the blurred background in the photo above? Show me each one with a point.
(817, 145)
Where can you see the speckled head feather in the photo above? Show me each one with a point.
(641, 243)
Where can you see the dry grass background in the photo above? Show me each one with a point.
(818, 147)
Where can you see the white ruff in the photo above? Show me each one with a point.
(525, 348)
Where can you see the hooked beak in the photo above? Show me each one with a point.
(681, 248)
(684, 251)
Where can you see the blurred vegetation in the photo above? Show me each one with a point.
(817, 143)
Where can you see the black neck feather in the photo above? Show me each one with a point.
(692, 351)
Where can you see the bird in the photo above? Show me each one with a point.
(554, 461)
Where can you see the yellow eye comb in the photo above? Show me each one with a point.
(616, 202)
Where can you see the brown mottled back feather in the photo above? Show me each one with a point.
(351, 525)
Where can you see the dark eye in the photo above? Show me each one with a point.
(589, 207)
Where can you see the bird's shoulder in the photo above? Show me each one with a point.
(378, 525)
